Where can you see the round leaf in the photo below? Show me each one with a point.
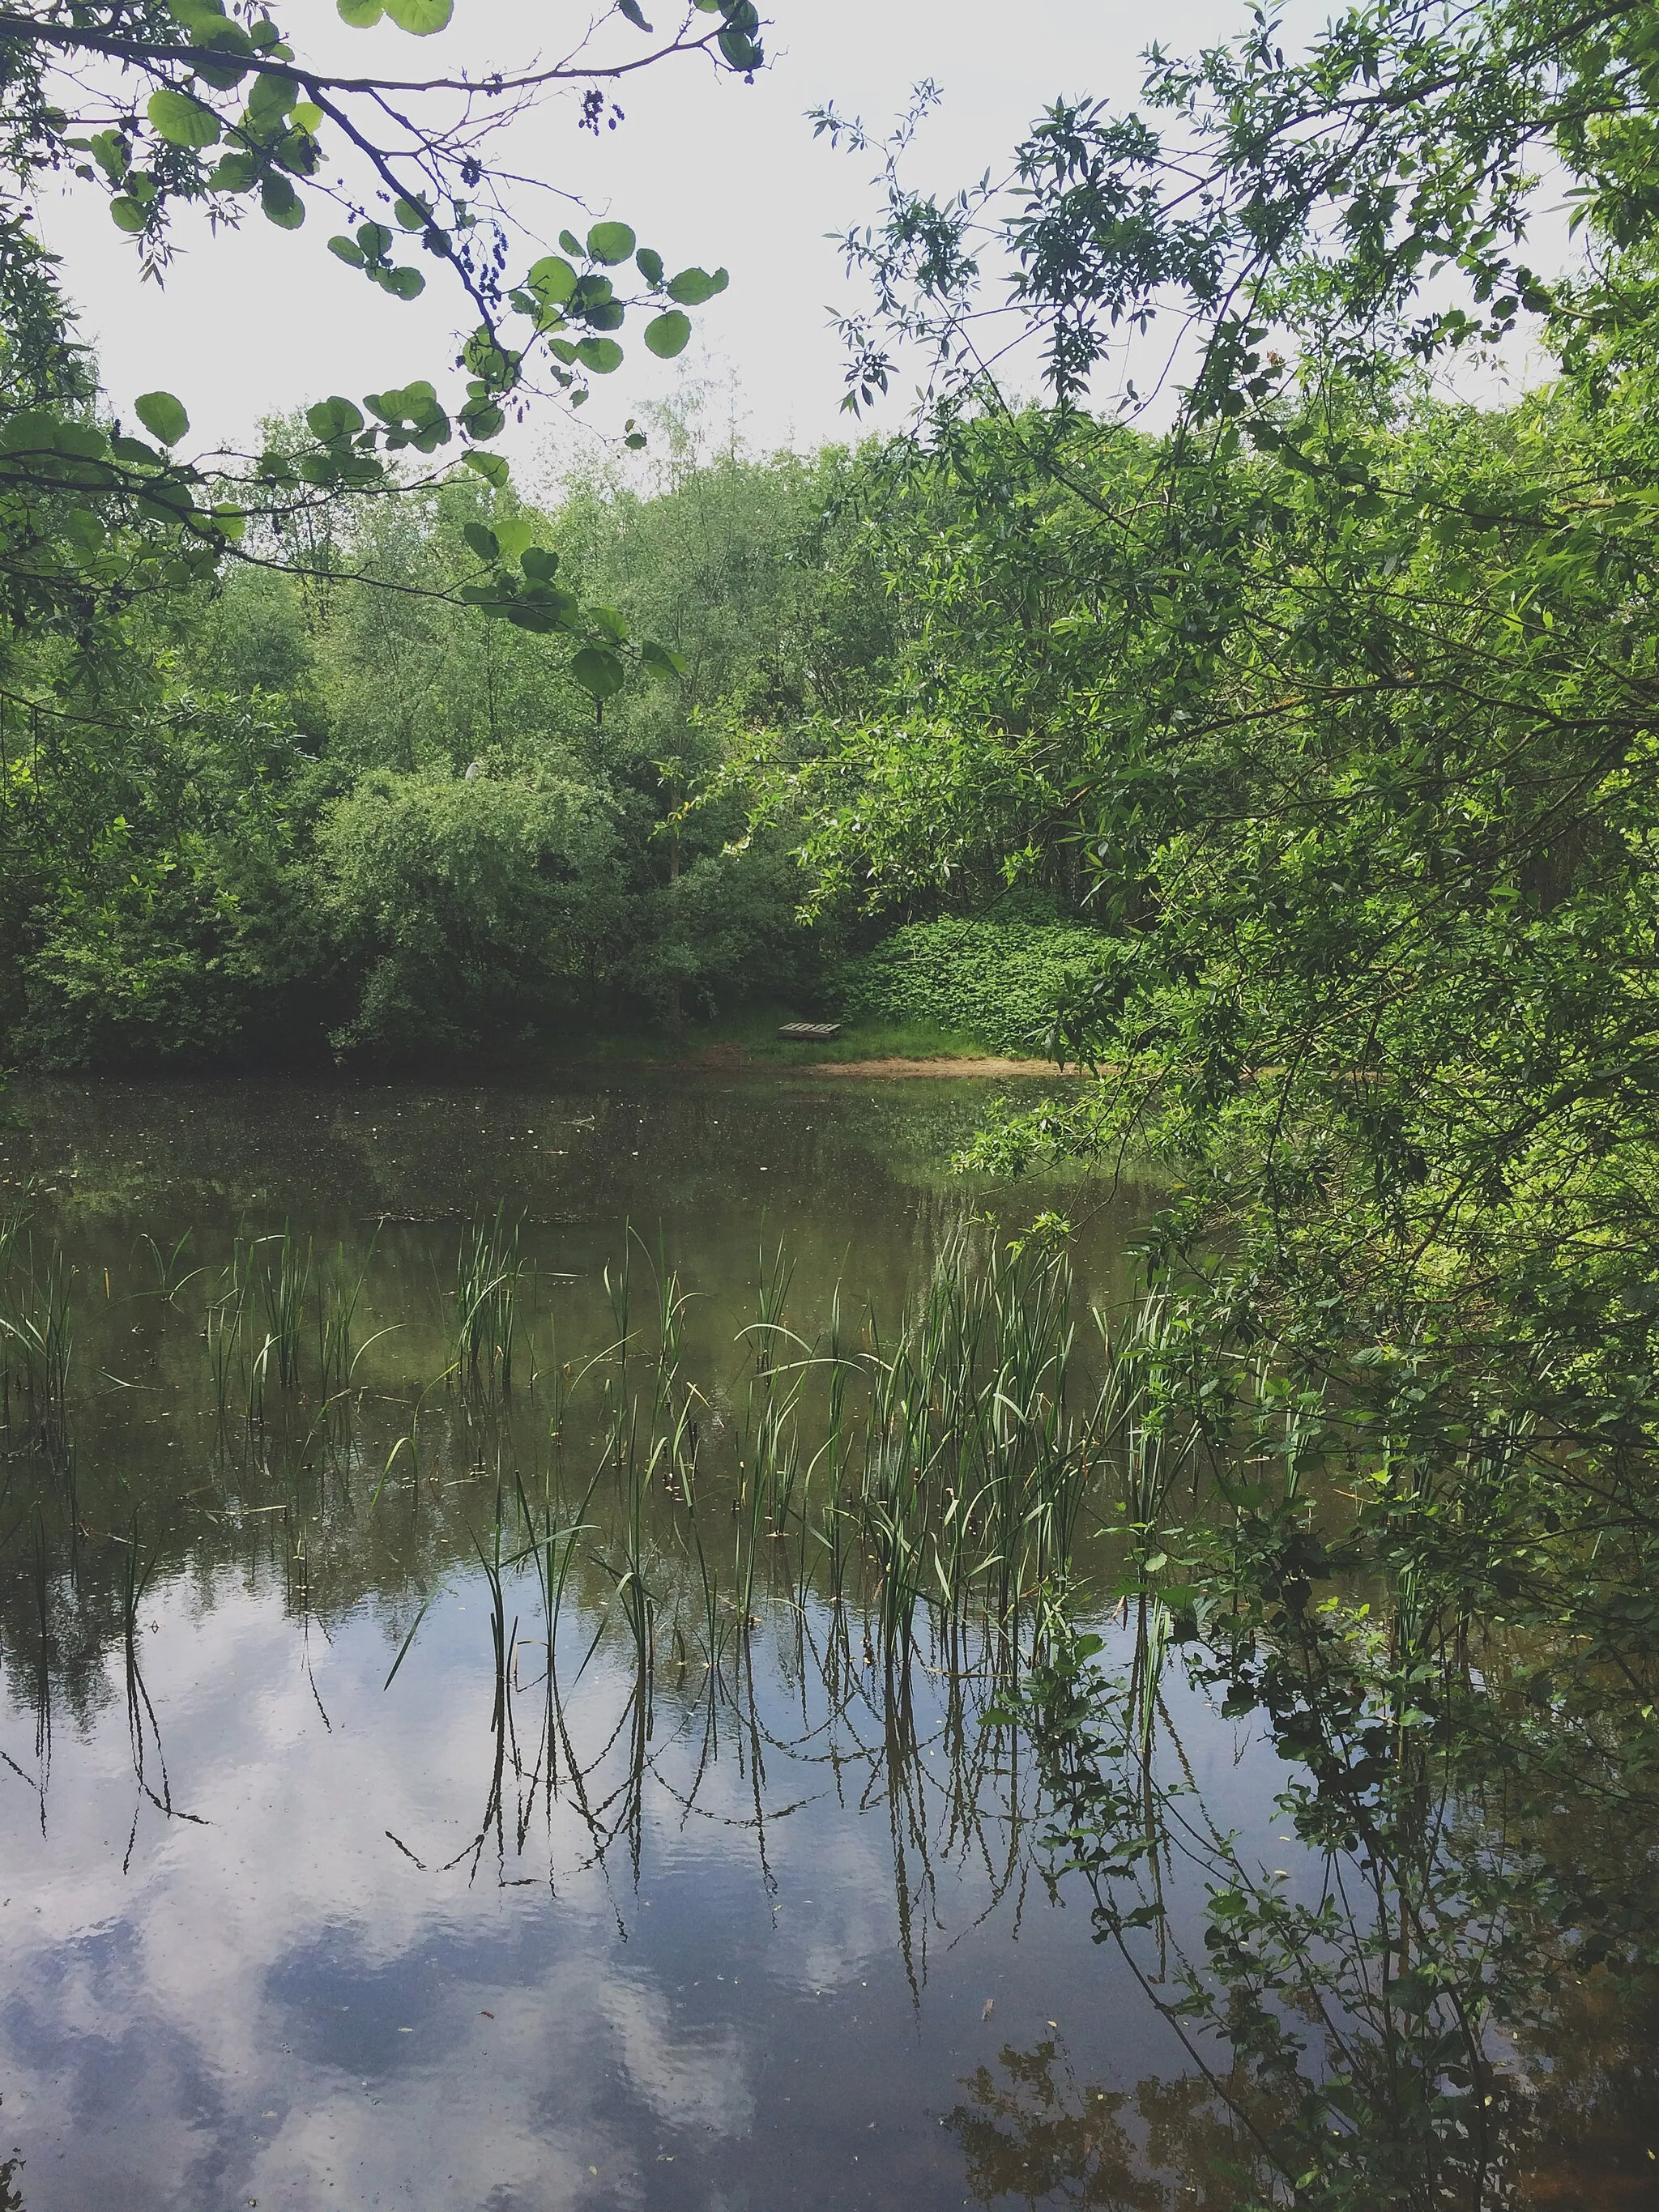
(552, 281)
(402, 283)
(181, 120)
(602, 356)
(597, 672)
(162, 416)
(420, 18)
(611, 242)
(362, 14)
(482, 542)
(126, 214)
(668, 335)
(490, 466)
(281, 203)
(693, 286)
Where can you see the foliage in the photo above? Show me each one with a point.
(162, 107)
(1001, 981)
(470, 906)
(280, 809)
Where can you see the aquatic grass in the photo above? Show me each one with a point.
(488, 1268)
(37, 1334)
(168, 1280)
(339, 1293)
(222, 1326)
(285, 1289)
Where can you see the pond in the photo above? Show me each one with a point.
(508, 1664)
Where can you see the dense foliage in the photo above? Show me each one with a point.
(282, 815)
(1336, 707)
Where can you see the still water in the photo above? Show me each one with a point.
(299, 1909)
(509, 1601)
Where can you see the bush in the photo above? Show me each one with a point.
(469, 912)
(1002, 982)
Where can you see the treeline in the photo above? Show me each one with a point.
(314, 805)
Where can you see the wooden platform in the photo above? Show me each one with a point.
(810, 1032)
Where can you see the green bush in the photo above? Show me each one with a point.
(1002, 982)
(468, 912)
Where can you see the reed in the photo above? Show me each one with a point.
(286, 1288)
(222, 1326)
(340, 1290)
(37, 1336)
(489, 1268)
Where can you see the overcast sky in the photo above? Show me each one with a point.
(706, 168)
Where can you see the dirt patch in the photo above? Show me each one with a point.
(897, 1068)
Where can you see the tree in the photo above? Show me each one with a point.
(163, 106)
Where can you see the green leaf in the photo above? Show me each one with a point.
(348, 251)
(539, 563)
(668, 335)
(491, 467)
(665, 665)
(84, 441)
(333, 418)
(181, 120)
(599, 672)
(512, 533)
(84, 530)
(374, 239)
(552, 280)
(306, 115)
(162, 416)
(611, 242)
(420, 18)
(543, 609)
(602, 356)
(281, 203)
(571, 243)
(126, 214)
(484, 542)
(411, 214)
(402, 283)
(742, 53)
(693, 286)
(614, 624)
(362, 14)
(134, 452)
(106, 149)
(222, 75)
(635, 14)
(198, 16)
(235, 173)
(649, 264)
(271, 96)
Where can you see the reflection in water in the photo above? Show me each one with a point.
(503, 1709)
(1031, 2129)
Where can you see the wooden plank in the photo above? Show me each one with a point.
(810, 1032)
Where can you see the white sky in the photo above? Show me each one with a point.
(705, 168)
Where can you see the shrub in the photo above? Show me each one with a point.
(999, 981)
(470, 911)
